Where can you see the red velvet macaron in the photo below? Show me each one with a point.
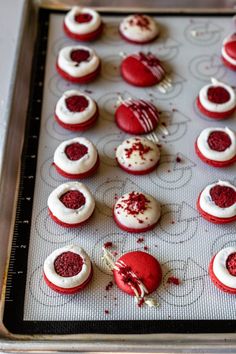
(228, 52)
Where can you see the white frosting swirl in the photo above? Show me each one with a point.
(67, 215)
(74, 69)
(224, 54)
(208, 205)
(82, 28)
(68, 117)
(220, 270)
(203, 146)
(217, 107)
(84, 164)
(67, 282)
(140, 220)
(135, 161)
(131, 30)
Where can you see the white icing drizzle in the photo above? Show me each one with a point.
(112, 265)
(130, 29)
(228, 39)
(217, 107)
(157, 71)
(203, 146)
(208, 205)
(82, 28)
(220, 270)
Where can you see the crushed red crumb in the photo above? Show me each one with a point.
(79, 55)
(76, 103)
(172, 222)
(108, 244)
(140, 21)
(145, 248)
(83, 18)
(218, 94)
(114, 253)
(223, 196)
(173, 280)
(140, 148)
(141, 302)
(73, 199)
(109, 286)
(135, 203)
(106, 312)
(178, 159)
(219, 141)
(76, 151)
(68, 264)
(231, 264)
(140, 240)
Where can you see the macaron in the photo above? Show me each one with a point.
(142, 69)
(68, 270)
(222, 270)
(217, 203)
(83, 24)
(78, 64)
(228, 51)
(136, 212)
(217, 100)
(138, 29)
(136, 116)
(216, 146)
(76, 158)
(71, 204)
(76, 111)
(137, 155)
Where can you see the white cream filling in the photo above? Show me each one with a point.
(82, 28)
(73, 68)
(84, 164)
(135, 162)
(66, 215)
(220, 270)
(149, 217)
(217, 107)
(207, 204)
(68, 117)
(202, 143)
(137, 33)
(67, 282)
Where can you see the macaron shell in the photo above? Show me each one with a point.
(84, 37)
(138, 173)
(137, 74)
(218, 164)
(217, 282)
(79, 80)
(146, 268)
(79, 175)
(214, 115)
(63, 224)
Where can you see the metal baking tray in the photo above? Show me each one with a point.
(19, 196)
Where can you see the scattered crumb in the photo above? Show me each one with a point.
(178, 159)
(107, 312)
(174, 110)
(109, 286)
(173, 280)
(145, 248)
(172, 222)
(114, 253)
(141, 302)
(140, 240)
(108, 244)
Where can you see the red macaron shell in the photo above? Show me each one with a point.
(214, 115)
(213, 163)
(230, 48)
(217, 282)
(68, 291)
(137, 42)
(79, 175)
(84, 37)
(136, 73)
(213, 219)
(228, 64)
(133, 230)
(138, 173)
(79, 80)
(63, 224)
(80, 126)
(144, 266)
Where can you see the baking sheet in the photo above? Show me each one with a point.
(183, 242)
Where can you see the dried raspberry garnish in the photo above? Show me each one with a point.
(83, 18)
(178, 159)
(109, 286)
(140, 240)
(77, 103)
(135, 203)
(139, 147)
(79, 55)
(68, 264)
(231, 264)
(219, 141)
(75, 151)
(173, 280)
(218, 94)
(73, 199)
(223, 196)
(108, 244)
(140, 21)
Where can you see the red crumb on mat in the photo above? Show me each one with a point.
(145, 248)
(173, 280)
(108, 244)
(109, 286)
(178, 159)
(140, 240)
(107, 312)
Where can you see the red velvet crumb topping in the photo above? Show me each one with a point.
(79, 55)
(231, 264)
(223, 196)
(140, 21)
(68, 264)
(77, 103)
(83, 18)
(73, 199)
(218, 94)
(135, 204)
(140, 148)
(219, 141)
(76, 151)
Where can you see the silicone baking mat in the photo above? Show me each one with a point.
(183, 242)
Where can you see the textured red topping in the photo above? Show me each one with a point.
(83, 18)
(223, 196)
(219, 141)
(173, 280)
(140, 240)
(75, 151)
(77, 103)
(108, 244)
(218, 94)
(109, 286)
(149, 59)
(231, 264)
(140, 21)
(79, 55)
(140, 148)
(68, 264)
(178, 159)
(73, 199)
(135, 203)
